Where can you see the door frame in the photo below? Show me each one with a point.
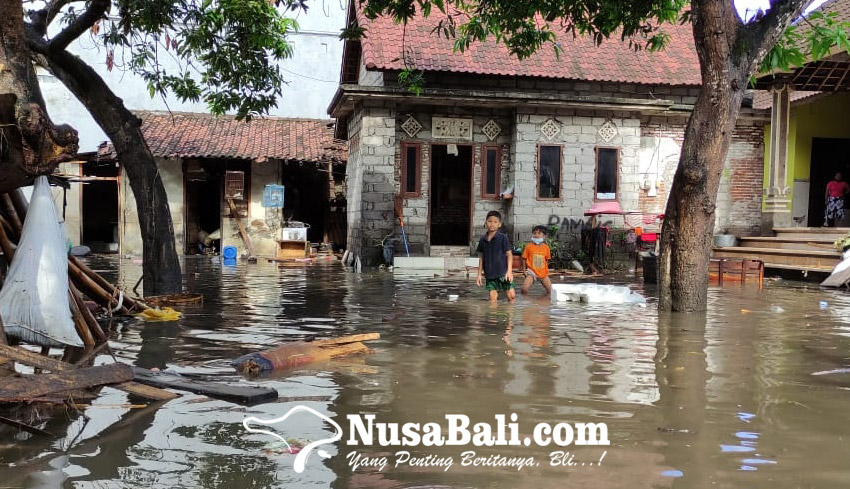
(471, 147)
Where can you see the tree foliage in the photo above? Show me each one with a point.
(225, 51)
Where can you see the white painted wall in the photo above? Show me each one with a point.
(312, 73)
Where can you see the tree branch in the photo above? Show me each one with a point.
(764, 33)
(75, 29)
(42, 18)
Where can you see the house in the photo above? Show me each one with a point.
(203, 160)
(540, 140)
(806, 142)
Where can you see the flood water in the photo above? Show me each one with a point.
(753, 394)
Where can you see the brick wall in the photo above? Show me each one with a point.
(741, 182)
(370, 179)
(578, 137)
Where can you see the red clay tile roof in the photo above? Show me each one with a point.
(612, 61)
(188, 135)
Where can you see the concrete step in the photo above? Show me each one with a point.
(450, 251)
(812, 243)
(823, 233)
(782, 258)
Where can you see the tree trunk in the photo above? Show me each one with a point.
(686, 235)
(161, 268)
(30, 144)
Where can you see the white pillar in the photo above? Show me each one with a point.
(776, 195)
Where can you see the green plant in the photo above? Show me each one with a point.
(842, 242)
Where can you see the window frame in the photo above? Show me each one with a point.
(560, 173)
(404, 163)
(484, 149)
(616, 175)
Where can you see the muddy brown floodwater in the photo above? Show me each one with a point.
(753, 394)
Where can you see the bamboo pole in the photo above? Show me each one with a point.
(93, 290)
(19, 202)
(91, 322)
(6, 245)
(108, 287)
(11, 213)
(79, 321)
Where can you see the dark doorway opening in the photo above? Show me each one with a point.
(307, 196)
(100, 206)
(203, 181)
(451, 192)
(828, 156)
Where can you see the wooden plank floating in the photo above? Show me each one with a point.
(248, 396)
(39, 385)
(296, 354)
(145, 391)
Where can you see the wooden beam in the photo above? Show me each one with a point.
(48, 363)
(41, 384)
(242, 231)
(843, 75)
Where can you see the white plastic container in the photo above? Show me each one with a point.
(293, 234)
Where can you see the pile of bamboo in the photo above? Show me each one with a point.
(82, 279)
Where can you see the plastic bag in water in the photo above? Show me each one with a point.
(34, 299)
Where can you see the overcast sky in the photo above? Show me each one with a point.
(747, 8)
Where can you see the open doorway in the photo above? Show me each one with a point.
(100, 206)
(307, 196)
(828, 156)
(451, 192)
(203, 183)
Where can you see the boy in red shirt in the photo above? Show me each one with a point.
(535, 260)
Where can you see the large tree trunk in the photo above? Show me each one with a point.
(686, 235)
(161, 267)
(30, 144)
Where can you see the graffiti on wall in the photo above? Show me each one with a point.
(572, 225)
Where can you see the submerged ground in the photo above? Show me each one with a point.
(752, 394)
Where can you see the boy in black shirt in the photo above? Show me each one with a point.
(495, 260)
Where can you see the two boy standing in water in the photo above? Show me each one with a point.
(495, 260)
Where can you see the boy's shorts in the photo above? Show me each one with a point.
(529, 272)
(498, 284)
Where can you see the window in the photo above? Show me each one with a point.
(491, 172)
(410, 170)
(549, 172)
(607, 168)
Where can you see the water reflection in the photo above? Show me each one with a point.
(723, 399)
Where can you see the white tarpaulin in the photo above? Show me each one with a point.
(34, 299)
(589, 292)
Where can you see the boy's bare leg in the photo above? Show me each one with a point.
(511, 293)
(547, 284)
(527, 284)
(494, 295)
